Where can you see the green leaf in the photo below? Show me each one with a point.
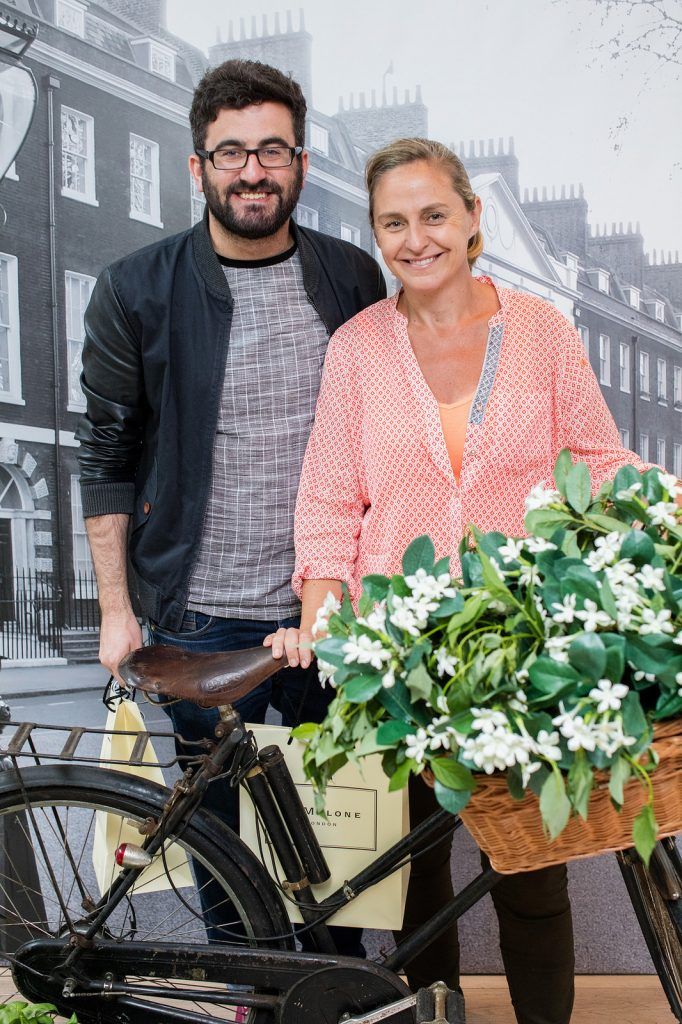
(305, 731)
(362, 688)
(369, 744)
(453, 800)
(638, 547)
(634, 719)
(569, 546)
(331, 650)
(580, 782)
(646, 654)
(578, 487)
(555, 806)
(651, 486)
(397, 702)
(515, 783)
(587, 654)
(562, 467)
(552, 678)
(580, 579)
(542, 522)
(615, 656)
(452, 774)
(624, 478)
(401, 775)
(419, 555)
(608, 523)
(608, 601)
(449, 606)
(644, 830)
(419, 682)
(620, 773)
(441, 566)
(392, 731)
(375, 587)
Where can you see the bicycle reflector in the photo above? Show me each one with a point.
(128, 855)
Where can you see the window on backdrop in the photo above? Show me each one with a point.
(78, 156)
(78, 289)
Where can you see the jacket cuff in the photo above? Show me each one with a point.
(102, 499)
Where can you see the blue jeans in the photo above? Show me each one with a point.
(295, 692)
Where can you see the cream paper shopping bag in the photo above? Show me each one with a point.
(363, 821)
(113, 829)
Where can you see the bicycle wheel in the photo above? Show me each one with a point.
(660, 920)
(51, 892)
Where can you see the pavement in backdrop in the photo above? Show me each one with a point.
(44, 680)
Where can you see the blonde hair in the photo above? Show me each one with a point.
(407, 151)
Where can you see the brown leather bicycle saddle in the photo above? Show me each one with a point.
(207, 679)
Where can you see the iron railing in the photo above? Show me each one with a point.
(38, 608)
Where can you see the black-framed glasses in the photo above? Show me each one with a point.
(233, 158)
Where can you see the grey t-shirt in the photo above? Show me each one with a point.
(272, 376)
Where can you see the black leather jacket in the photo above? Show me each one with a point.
(156, 334)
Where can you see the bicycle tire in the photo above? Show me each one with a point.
(67, 798)
(661, 923)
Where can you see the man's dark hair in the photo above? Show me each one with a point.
(239, 83)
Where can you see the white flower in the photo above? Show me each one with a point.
(365, 651)
(606, 550)
(529, 575)
(649, 676)
(663, 514)
(669, 483)
(439, 737)
(609, 737)
(556, 648)
(511, 551)
(592, 617)
(430, 588)
(541, 497)
(325, 672)
(565, 612)
(519, 702)
(330, 606)
(655, 622)
(445, 662)
(406, 616)
(582, 736)
(521, 676)
(621, 573)
(487, 719)
(376, 619)
(678, 680)
(527, 770)
(547, 745)
(442, 704)
(628, 493)
(537, 544)
(608, 695)
(388, 678)
(651, 578)
(498, 749)
(416, 745)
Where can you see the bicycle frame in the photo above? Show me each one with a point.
(234, 753)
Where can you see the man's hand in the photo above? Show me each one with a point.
(119, 634)
(296, 642)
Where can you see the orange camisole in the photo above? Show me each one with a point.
(454, 419)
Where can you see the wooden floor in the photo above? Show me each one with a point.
(617, 999)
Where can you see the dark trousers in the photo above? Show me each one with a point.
(295, 692)
(534, 916)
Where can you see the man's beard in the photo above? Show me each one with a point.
(253, 222)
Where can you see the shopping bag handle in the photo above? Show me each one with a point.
(114, 693)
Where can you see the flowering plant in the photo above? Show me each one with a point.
(549, 660)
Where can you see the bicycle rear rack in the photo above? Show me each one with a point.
(28, 741)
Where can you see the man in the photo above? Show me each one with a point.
(201, 366)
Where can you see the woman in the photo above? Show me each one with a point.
(443, 406)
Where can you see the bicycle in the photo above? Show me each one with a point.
(130, 956)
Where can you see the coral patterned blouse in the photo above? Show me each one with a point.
(377, 472)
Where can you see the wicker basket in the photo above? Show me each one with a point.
(511, 831)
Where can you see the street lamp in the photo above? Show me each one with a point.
(18, 92)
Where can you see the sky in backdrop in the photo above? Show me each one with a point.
(538, 70)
